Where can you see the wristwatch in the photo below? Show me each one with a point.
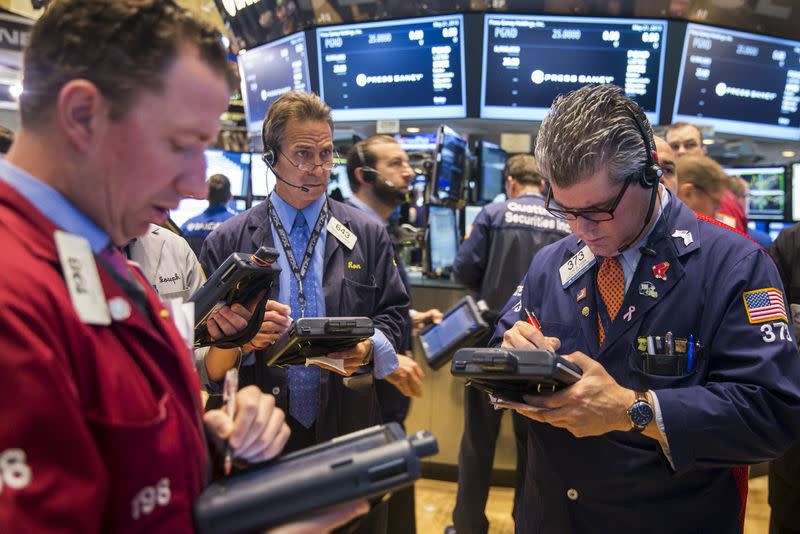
(641, 412)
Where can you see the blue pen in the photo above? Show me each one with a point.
(690, 354)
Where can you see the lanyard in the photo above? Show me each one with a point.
(299, 272)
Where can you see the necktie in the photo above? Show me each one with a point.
(117, 262)
(303, 381)
(611, 285)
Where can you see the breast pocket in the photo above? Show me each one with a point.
(358, 298)
(642, 379)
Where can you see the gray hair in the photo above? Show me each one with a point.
(588, 130)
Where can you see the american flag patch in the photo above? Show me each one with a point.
(764, 305)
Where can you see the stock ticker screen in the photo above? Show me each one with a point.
(401, 69)
(528, 60)
(739, 83)
(269, 71)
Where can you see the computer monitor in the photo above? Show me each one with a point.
(491, 162)
(262, 179)
(449, 168)
(270, 70)
(187, 208)
(776, 228)
(795, 192)
(340, 181)
(399, 69)
(767, 199)
(442, 240)
(740, 83)
(234, 165)
(530, 59)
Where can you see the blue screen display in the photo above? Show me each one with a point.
(403, 69)
(528, 60)
(450, 166)
(269, 71)
(443, 237)
(739, 83)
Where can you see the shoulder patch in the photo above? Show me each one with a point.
(765, 304)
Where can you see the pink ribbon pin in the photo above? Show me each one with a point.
(628, 316)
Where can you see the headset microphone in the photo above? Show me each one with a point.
(269, 158)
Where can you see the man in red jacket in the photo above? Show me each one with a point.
(102, 422)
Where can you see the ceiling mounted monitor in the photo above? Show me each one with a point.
(529, 59)
(400, 69)
(269, 71)
(739, 83)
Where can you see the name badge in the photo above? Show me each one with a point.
(83, 281)
(576, 266)
(342, 233)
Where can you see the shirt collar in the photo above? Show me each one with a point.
(287, 213)
(53, 205)
(632, 254)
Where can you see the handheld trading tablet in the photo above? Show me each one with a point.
(511, 373)
(461, 326)
(360, 465)
(317, 336)
(242, 278)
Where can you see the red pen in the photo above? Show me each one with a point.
(532, 320)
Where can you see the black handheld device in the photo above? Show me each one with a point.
(242, 278)
(361, 465)
(317, 336)
(511, 373)
(461, 326)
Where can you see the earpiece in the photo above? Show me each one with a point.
(368, 173)
(651, 174)
(268, 156)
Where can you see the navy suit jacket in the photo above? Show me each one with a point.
(359, 282)
(739, 405)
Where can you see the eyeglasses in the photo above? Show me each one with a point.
(308, 164)
(594, 215)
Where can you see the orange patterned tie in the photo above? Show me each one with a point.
(611, 285)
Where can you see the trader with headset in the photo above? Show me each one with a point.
(333, 261)
(689, 368)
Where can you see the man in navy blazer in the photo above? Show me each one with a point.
(353, 275)
(689, 365)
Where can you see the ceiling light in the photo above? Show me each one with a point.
(788, 153)
(412, 129)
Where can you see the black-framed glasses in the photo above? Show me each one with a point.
(308, 165)
(594, 215)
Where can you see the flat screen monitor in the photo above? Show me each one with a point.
(262, 180)
(470, 213)
(776, 228)
(269, 71)
(233, 165)
(417, 142)
(767, 199)
(340, 181)
(739, 83)
(450, 163)
(796, 191)
(187, 208)
(399, 69)
(492, 162)
(530, 59)
(442, 239)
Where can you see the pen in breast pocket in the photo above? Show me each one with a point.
(690, 354)
(230, 388)
(532, 320)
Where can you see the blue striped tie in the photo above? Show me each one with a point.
(303, 381)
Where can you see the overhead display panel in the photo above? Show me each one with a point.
(739, 83)
(403, 69)
(269, 71)
(528, 60)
